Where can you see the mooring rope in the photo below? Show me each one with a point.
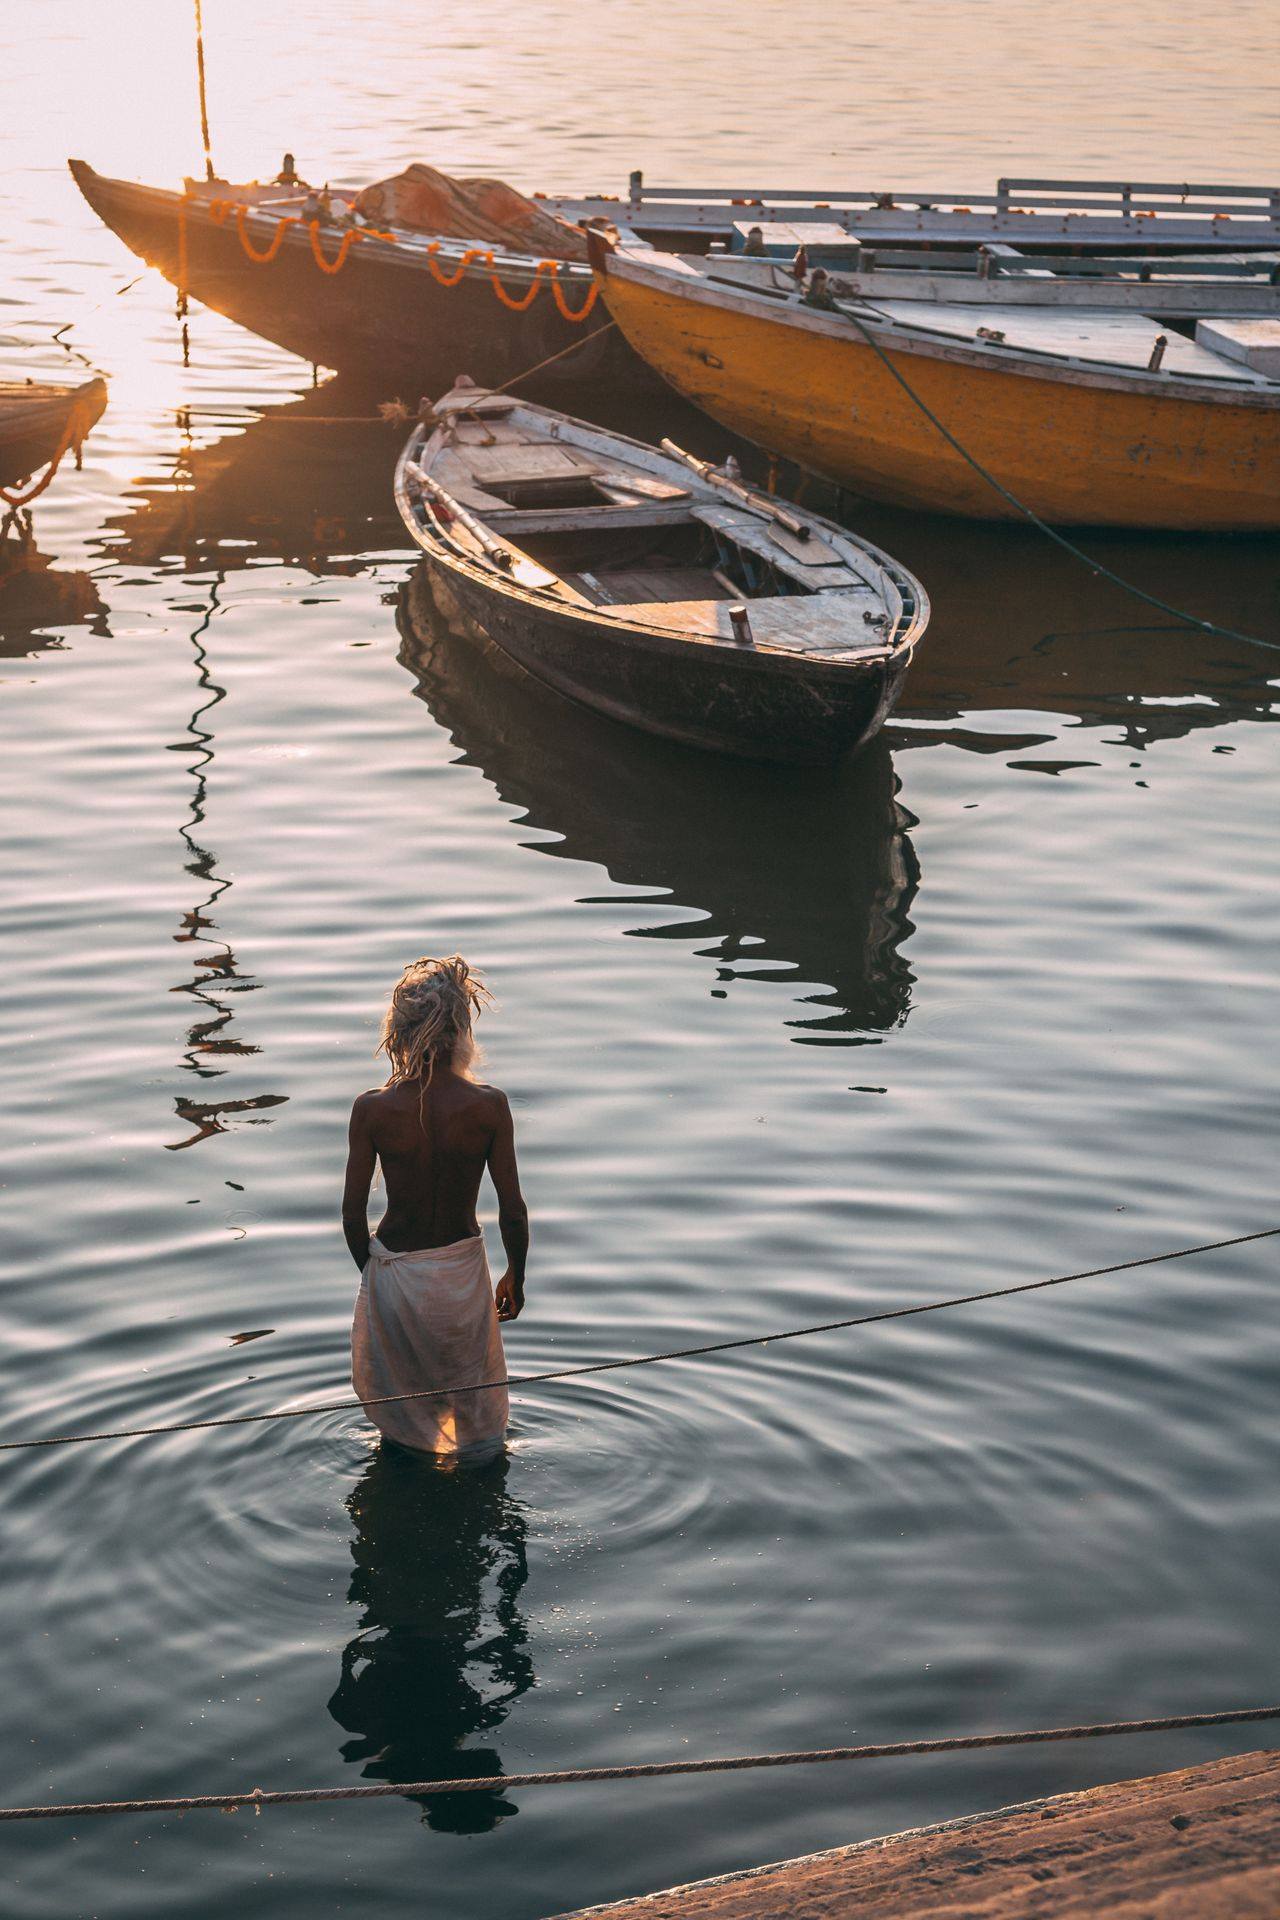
(644, 1770)
(1029, 513)
(639, 1360)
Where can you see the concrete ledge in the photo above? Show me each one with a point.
(1199, 1844)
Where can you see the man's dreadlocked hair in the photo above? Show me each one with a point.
(429, 1020)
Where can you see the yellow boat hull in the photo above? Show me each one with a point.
(1076, 448)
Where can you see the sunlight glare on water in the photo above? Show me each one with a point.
(995, 1001)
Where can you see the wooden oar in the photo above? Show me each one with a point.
(758, 502)
(509, 560)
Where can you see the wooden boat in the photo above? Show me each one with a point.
(654, 588)
(40, 420)
(390, 301)
(1095, 417)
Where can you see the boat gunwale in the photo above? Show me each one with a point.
(653, 638)
(50, 403)
(1255, 391)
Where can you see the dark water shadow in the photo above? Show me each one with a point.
(1020, 625)
(38, 598)
(441, 1655)
(801, 876)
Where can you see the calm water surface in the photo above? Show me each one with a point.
(996, 1001)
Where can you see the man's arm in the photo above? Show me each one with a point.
(513, 1215)
(361, 1156)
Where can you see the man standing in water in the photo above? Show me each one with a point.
(426, 1315)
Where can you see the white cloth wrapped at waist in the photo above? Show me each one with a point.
(427, 1319)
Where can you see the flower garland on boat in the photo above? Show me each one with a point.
(221, 210)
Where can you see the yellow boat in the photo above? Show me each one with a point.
(1101, 418)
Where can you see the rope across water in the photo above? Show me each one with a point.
(642, 1360)
(645, 1770)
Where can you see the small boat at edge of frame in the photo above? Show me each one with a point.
(654, 588)
(40, 419)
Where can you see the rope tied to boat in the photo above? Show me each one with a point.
(639, 1360)
(642, 1770)
(73, 435)
(1069, 546)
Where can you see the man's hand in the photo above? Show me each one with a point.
(509, 1297)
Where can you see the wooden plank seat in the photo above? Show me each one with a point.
(821, 625)
(748, 530)
(653, 586)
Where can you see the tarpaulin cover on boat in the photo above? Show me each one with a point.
(432, 202)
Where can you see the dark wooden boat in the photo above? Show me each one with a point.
(385, 310)
(40, 420)
(654, 588)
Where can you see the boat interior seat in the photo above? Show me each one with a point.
(822, 568)
(651, 586)
(815, 625)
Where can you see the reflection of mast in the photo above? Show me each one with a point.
(206, 1037)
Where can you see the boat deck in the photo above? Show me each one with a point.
(1199, 1844)
(1103, 339)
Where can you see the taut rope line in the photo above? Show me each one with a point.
(640, 1360)
(647, 1770)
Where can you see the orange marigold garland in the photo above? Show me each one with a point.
(219, 210)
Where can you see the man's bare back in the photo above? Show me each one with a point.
(434, 1139)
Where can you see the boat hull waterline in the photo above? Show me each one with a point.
(1077, 447)
(752, 710)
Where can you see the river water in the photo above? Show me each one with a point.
(994, 1002)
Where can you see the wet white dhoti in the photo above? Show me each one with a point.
(427, 1319)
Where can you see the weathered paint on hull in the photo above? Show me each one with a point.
(757, 707)
(1081, 453)
(382, 314)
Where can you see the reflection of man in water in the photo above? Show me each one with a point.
(441, 1652)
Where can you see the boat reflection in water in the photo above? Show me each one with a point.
(804, 876)
(1022, 628)
(37, 599)
(441, 1653)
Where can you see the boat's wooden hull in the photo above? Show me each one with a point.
(382, 314)
(35, 424)
(1074, 449)
(761, 707)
